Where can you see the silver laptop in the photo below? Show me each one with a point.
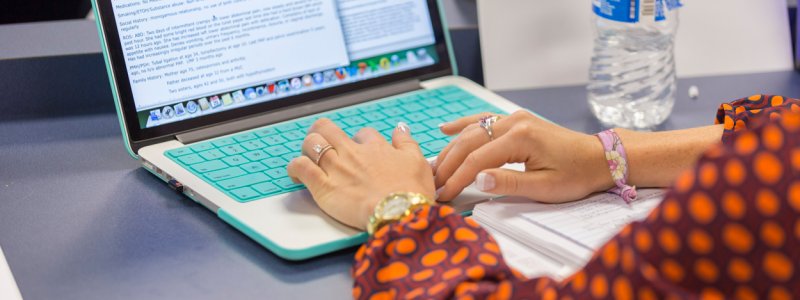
(215, 97)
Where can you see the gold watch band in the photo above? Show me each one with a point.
(395, 207)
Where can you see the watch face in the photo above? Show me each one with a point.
(395, 207)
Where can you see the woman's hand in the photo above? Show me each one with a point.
(560, 164)
(357, 173)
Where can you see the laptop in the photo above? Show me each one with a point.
(214, 97)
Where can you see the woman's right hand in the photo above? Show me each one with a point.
(560, 164)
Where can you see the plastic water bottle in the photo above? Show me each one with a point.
(632, 78)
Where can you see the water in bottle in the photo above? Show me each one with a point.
(632, 77)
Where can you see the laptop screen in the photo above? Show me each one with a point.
(188, 59)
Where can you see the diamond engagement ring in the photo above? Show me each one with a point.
(320, 150)
(486, 123)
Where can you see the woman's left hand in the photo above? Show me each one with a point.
(357, 173)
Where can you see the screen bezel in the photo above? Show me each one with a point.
(137, 135)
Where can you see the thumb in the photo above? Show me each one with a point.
(532, 184)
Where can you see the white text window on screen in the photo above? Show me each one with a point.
(178, 50)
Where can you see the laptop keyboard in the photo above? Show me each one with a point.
(251, 165)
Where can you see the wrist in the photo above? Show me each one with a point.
(395, 207)
(600, 179)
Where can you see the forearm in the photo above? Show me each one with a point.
(656, 158)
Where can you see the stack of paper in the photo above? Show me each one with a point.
(8, 287)
(557, 239)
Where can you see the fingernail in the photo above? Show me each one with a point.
(484, 182)
(432, 163)
(403, 127)
(443, 124)
(438, 192)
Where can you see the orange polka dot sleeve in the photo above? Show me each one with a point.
(752, 111)
(730, 227)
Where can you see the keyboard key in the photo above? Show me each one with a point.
(180, 152)
(407, 100)
(223, 142)
(428, 94)
(437, 134)
(348, 112)
(245, 193)
(227, 173)
(354, 121)
(393, 111)
(274, 162)
(388, 103)
(455, 97)
(473, 102)
(417, 127)
(374, 116)
(290, 156)
(332, 116)
(285, 127)
(432, 102)
(254, 167)
(232, 149)
(394, 120)
(307, 122)
(273, 140)
(379, 126)
(209, 166)
(435, 146)
(369, 107)
(433, 123)
(287, 183)
(277, 173)
(294, 135)
(475, 111)
(295, 146)
(255, 155)
(265, 131)
(245, 137)
(276, 150)
(191, 159)
(243, 181)
(451, 117)
(422, 137)
(253, 145)
(454, 107)
(413, 107)
(449, 89)
(212, 154)
(352, 130)
(202, 147)
(266, 188)
(417, 117)
(235, 160)
(436, 112)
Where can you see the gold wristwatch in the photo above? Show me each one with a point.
(394, 207)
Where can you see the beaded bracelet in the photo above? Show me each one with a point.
(617, 164)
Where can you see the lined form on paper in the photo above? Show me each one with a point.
(593, 221)
(565, 235)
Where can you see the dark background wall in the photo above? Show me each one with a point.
(21, 11)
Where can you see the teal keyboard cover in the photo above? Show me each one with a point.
(251, 165)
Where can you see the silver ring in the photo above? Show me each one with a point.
(486, 123)
(320, 150)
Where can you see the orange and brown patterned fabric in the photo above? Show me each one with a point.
(728, 228)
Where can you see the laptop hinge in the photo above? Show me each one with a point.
(297, 111)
